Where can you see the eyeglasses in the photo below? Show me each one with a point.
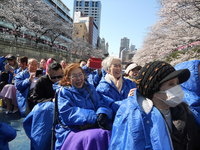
(76, 76)
(56, 77)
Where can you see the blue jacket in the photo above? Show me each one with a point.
(76, 107)
(38, 125)
(133, 129)
(2, 63)
(92, 76)
(192, 87)
(7, 134)
(22, 85)
(110, 93)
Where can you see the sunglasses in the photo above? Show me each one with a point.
(56, 77)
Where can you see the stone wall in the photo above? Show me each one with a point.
(32, 50)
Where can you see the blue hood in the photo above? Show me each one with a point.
(191, 87)
(193, 83)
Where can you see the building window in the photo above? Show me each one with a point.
(80, 4)
(80, 25)
(86, 4)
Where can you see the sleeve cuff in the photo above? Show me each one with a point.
(106, 111)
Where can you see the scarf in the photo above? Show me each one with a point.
(118, 83)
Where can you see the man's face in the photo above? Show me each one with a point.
(32, 66)
(11, 62)
(83, 63)
(55, 75)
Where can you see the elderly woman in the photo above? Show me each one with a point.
(191, 88)
(156, 118)
(81, 114)
(114, 87)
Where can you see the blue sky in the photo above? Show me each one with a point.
(124, 18)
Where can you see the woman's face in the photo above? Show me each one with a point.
(133, 73)
(77, 78)
(158, 96)
(43, 63)
(115, 69)
(169, 84)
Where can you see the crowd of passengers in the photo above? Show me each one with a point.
(73, 106)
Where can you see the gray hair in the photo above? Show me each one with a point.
(107, 62)
(30, 60)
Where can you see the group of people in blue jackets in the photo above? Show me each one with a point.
(100, 109)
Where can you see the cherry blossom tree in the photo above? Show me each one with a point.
(177, 26)
(36, 17)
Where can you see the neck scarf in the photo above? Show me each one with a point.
(118, 83)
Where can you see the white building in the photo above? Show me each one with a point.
(89, 8)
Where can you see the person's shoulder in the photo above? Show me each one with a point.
(103, 85)
(126, 79)
(129, 82)
(127, 107)
(104, 82)
(65, 90)
(23, 74)
(48, 105)
(43, 78)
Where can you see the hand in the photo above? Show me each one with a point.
(32, 76)
(131, 92)
(88, 63)
(103, 121)
(7, 67)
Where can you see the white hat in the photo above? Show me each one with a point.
(130, 67)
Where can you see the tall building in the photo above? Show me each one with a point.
(103, 44)
(132, 47)
(61, 9)
(124, 45)
(89, 8)
(107, 47)
(91, 35)
(62, 12)
(81, 31)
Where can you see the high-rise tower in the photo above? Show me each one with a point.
(89, 8)
(124, 45)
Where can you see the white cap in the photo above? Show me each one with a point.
(130, 67)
